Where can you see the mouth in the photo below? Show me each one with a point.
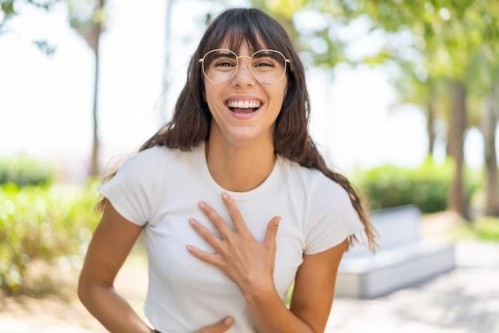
(244, 106)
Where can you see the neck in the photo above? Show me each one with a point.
(241, 168)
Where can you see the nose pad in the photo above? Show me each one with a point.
(243, 74)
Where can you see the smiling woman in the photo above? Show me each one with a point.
(234, 199)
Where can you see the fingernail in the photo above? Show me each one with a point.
(225, 196)
(228, 321)
(202, 204)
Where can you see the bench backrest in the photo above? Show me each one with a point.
(396, 227)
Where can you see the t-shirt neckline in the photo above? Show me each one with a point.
(265, 186)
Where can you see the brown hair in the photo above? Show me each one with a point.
(191, 120)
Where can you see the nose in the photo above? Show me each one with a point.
(243, 75)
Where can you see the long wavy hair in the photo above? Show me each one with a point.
(190, 124)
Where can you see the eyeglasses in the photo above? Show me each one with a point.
(266, 66)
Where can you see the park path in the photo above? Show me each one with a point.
(465, 300)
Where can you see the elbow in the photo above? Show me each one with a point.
(85, 290)
(90, 289)
(82, 290)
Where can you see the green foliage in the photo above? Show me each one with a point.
(485, 229)
(24, 171)
(42, 223)
(426, 186)
(9, 9)
(319, 43)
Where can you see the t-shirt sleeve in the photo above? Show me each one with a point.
(333, 218)
(135, 189)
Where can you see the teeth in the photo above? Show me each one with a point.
(244, 104)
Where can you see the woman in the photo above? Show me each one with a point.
(234, 199)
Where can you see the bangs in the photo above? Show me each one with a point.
(234, 38)
(259, 31)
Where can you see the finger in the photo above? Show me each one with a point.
(222, 326)
(234, 213)
(209, 258)
(216, 220)
(215, 242)
(271, 233)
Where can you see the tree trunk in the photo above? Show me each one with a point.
(457, 127)
(96, 31)
(490, 121)
(94, 169)
(430, 128)
(164, 112)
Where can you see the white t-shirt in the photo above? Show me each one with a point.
(159, 188)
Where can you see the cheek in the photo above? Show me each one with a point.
(208, 95)
(279, 96)
(207, 92)
(282, 90)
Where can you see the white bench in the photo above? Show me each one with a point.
(403, 258)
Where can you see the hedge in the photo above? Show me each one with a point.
(24, 171)
(426, 186)
(42, 222)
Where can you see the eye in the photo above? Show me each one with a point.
(263, 63)
(224, 63)
(267, 60)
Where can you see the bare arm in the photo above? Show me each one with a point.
(111, 243)
(314, 286)
(312, 297)
(250, 264)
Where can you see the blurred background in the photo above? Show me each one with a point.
(405, 102)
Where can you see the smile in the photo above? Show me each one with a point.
(244, 106)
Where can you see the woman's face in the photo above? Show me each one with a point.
(243, 109)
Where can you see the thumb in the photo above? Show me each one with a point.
(271, 234)
(221, 326)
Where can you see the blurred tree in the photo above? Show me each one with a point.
(443, 51)
(87, 17)
(448, 36)
(487, 91)
(10, 9)
(316, 34)
(490, 121)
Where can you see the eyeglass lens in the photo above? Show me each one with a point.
(267, 66)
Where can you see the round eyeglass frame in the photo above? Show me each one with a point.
(201, 61)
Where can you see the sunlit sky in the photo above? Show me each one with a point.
(46, 102)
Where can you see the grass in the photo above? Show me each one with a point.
(484, 229)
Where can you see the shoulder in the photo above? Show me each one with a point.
(139, 169)
(317, 187)
(144, 159)
(329, 216)
(155, 159)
